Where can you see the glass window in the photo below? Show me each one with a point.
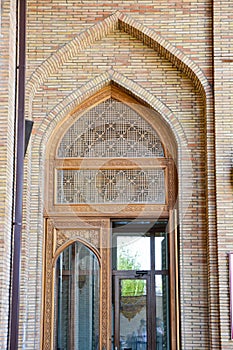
(133, 314)
(132, 253)
(77, 299)
(141, 285)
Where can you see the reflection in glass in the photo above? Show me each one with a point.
(140, 255)
(77, 299)
(133, 253)
(161, 250)
(133, 306)
(162, 312)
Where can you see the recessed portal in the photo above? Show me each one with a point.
(110, 239)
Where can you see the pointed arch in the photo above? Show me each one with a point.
(67, 106)
(71, 241)
(98, 31)
(65, 110)
(59, 112)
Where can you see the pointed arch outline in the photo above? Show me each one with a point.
(125, 23)
(66, 107)
(69, 242)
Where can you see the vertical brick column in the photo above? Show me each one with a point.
(7, 99)
(223, 92)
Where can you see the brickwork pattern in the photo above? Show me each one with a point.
(161, 53)
(223, 75)
(83, 74)
(185, 23)
(7, 97)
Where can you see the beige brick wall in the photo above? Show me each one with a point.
(78, 70)
(187, 24)
(223, 74)
(73, 49)
(7, 96)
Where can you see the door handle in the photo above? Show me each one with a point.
(141, 273)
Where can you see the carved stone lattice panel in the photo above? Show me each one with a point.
(110, 129)
(132, 186)
(91, 236)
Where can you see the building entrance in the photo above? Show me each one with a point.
(110, 200)
(140, 285)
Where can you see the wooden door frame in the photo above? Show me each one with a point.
(162, 226)
(129, 275)
(96, 235)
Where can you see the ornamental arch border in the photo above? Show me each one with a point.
(126, 23)
(44, 130)
(71, 241)
(65, 108)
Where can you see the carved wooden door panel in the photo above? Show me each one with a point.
(60, 234)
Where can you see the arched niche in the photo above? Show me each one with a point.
(157, 160)
(91, 218)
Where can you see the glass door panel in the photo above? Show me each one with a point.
(141, 286)
(131, 313)
(132, 253)
(162, 312)
(77, 299)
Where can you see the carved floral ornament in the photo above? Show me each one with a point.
(89, 236)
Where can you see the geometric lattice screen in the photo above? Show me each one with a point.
(111, 186)
(110, 129)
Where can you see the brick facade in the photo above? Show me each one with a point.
(162, 54)
(7, 101)
(223, 85)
